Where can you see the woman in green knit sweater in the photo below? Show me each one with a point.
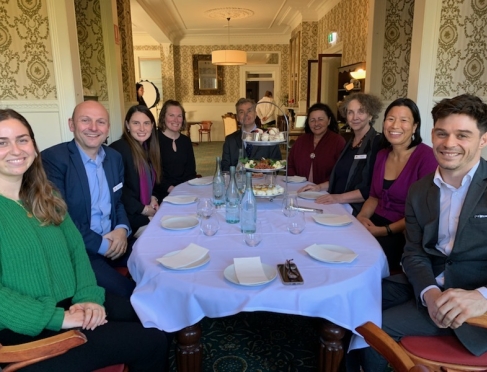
(46, 281)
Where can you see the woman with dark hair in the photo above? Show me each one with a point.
(178, 163)
(47, 284)
(315, 153)
(403, 161)
(351, 177)
(141, 156)
(139, 91)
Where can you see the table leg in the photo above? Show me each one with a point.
(331, 346)
(189, 349)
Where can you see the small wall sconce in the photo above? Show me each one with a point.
(358, 74)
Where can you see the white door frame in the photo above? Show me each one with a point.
(275, 70)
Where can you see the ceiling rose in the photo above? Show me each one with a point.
(229, 12)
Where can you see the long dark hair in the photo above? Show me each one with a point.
(36, 192)
(333, 126)
(162, 115)
(411, 105)
(149, 153)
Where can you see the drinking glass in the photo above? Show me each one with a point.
(296, 222)
(289, 201)
(205, 208)
(210, 225)
(253, 239)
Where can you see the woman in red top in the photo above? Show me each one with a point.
(315, 153)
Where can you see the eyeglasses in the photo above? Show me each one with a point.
(291, 269)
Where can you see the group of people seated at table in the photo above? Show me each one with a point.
(71, 213)
(426, 206)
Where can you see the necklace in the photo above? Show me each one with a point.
(315, 143)
(360, 142)
(29, 214)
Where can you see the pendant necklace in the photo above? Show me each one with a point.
(29, 214)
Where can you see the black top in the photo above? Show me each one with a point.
(359, 174)
(179, 166)
(342, 169)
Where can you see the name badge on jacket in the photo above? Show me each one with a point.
(118, 187)
(361, 156)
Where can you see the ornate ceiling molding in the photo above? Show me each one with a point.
(229, 12)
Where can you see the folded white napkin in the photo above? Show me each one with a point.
(249, 270)
(185, 257)
(180, 199)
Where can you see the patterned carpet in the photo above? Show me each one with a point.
(258, 342)
(205, 154)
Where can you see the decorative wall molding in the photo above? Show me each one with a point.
(31, 105)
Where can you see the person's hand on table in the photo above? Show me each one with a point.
(453, 307)
(118, 243)
(94, 315)
(154, 203)
(329, 199)
(310, 187)
(371, 227)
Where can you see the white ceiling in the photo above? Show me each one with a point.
(184, 22)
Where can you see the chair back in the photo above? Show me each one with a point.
(229, 123)
(206, 125)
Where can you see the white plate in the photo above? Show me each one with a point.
(295, 179)
(230, 275)
(179, 223)
(312, 195)
(181, 199)
(200, 262)
(200, 182)
(332, 219)
(331, 253)
(264, 170)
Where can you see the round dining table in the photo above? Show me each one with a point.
(343, 295)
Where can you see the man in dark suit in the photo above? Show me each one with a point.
(444, 261)
(246, 115)
(90, 178)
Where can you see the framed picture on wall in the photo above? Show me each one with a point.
(207, 78)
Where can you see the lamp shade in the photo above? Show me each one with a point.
(229, 57)
(358, 74)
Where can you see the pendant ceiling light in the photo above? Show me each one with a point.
(229, 57)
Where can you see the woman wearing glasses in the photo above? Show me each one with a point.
(315, 153)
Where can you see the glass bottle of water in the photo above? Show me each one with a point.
(240, 172)
(232, 200)
(248, 208)
(218, 185)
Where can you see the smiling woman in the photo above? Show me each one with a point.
(140, 152)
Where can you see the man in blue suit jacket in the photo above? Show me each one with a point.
(90, 178)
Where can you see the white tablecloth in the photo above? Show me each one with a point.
(346, 294)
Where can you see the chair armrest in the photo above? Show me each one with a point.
(479, 321)
(28, 353)
(386, 346)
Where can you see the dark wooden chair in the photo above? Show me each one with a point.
(434, 353)
(205, 128)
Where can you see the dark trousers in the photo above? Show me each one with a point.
(109, 278)
(401, 316)
(123, 340)
(392, 245)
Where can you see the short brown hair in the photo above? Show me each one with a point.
(372, 104)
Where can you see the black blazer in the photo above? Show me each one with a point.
(131, 187)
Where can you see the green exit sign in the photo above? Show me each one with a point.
(332, 37)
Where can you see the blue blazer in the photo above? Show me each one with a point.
(65, 169)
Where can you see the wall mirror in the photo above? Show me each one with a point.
(207, 78)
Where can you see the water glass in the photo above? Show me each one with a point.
(253, 239)
(296, 222)
(205, 207)
(288, 202)
(210, 225)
